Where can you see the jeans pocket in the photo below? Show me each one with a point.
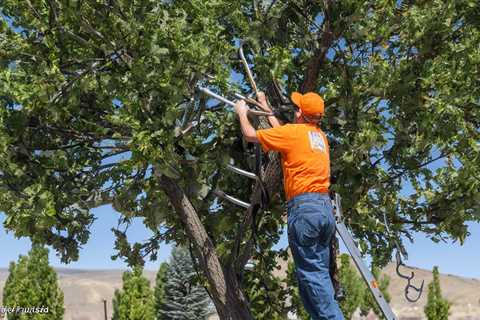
(307, 229)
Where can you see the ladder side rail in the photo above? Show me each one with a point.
(367, 275)
(365, 272)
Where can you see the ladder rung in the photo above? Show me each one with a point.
(233, 200)
(231, 103)
(242, 172)
(217, 96)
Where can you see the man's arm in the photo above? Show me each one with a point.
(262, 99)
(280, 138)
(248, 130)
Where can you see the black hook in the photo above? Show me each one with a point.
(409, 279)
(400, 263)
(419, 290)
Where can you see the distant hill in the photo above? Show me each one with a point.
(85, 290)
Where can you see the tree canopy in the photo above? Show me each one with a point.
(98, 105)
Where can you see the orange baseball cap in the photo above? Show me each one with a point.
(310, 103)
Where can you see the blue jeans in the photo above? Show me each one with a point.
(311, 226)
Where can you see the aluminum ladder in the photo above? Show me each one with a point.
(367, 276)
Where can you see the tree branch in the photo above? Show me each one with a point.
(401, 173)
(37, 15)
(228, 300)
(314, 64)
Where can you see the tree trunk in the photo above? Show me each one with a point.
(316, 61)
(226, 293)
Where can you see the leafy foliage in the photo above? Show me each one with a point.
(267, 294)
(183, 298)
(159, 291)
(353, 286)
(98, 102)
(33, 283)
(97, 97)
(437, 308)
(293, 291)
(356, 293)
(135, 301)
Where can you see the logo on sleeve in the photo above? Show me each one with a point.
(316, 141)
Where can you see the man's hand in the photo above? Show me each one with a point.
(262, 99)
(247, 129)
(241, 107)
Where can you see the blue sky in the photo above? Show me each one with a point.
(96, 253)
(451, 258)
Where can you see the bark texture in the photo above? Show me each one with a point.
(226, 293)
(315, 63)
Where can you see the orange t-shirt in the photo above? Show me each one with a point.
(305, 156)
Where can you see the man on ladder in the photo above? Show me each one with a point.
(306, 171)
